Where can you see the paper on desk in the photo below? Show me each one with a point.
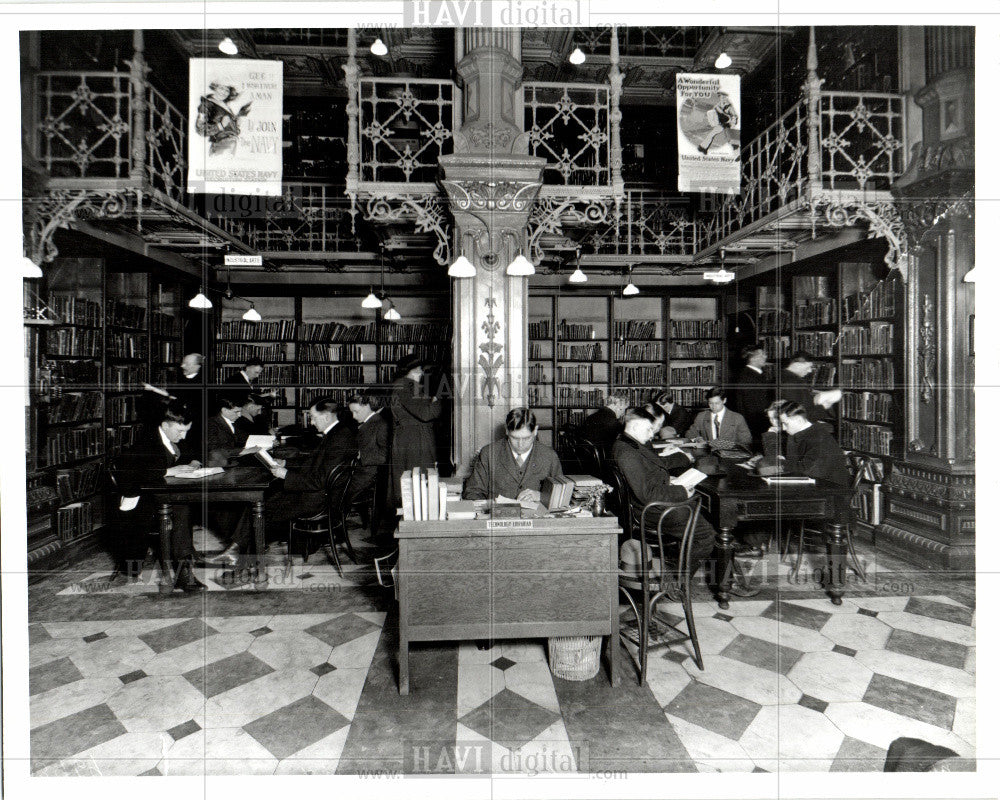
(532, 504)
(202, 472)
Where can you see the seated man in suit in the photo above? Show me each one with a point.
(722, 428)
(304, 491)
(153, 458)
(648, 477)
(514, 466)
(373, 447)
(677, 419)
(603, 426)
(811, 449)
(224, 440)
(250, 420)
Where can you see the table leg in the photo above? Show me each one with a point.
(166, 573)
(836, 547)
(260, 568)
(726, 546)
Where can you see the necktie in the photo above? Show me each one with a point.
(715, 425)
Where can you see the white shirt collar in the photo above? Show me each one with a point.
(374, 413)
(758, 370)
(334, 425)
(166, 442)
(245, 376)
(522, 456)
(718, 415)
(230, 424)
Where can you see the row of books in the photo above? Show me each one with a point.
(126, 315)
(773, 322)
(339, 395)
(540, 395)
(821, 311)
(867, 503)
(64, 374)
(569, 330)
(424, 496)
(650, 351)
(535, 350)
(69, 444)
(572, 396)
(703, 374)
(635, 329)
(434, 353)
(540, 330)
(571, 416)
(374, 332)
(586, 352)
(232, 353)
(167, 352)
(646, 376)
(818, 343)
(161, 324)
(695, 328)
(692, 397)
(279, 330)
(277, 375)
(869, 373)
(825, 375)
(334, 352)
(127, 345)
(122, 437)
(75, 406)
(125, 378)
(76, 310)
(704, 349)
(575, 373)
(874, 406)
(873, 339)
(777, 348)
(536, 373)
(74, 520)
(316, 373)
(123, 408)
(880, 302)
(73, 342)
(870, 438)
(79, 482)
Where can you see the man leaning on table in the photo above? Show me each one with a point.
(515, 466)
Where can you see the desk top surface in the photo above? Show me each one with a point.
(251, 477)
(740, 482)
(507, 527)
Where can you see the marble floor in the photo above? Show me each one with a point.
(301, 679)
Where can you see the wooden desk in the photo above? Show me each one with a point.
(480, 579)
(740, 496)
(240, 484)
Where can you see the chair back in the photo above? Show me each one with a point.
(655, 516)
(590, 457)
(336, 487)
(620, 498)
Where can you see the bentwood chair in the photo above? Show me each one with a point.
(673, 559)
(330, 522)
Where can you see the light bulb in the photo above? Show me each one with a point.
(630, 289)
(970, 276)
(200, 301)
(371, 301)
(723, 61)
(462, 268)
(392, 314)
(228, 46)
(252, 315)
(578, 277)
(577, 57)
(29, 269)
(520, 267)
(379, 48)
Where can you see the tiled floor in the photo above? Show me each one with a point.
(304, 681)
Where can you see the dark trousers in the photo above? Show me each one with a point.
(138, 529)
(232, 524)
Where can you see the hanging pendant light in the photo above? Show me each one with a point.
(29, 269)
(630, 288)
(578, 275)
(721, 275)
(371, 301)
(200, 300)
(378, 47)
(577, 57)
(462, 268)
(723, 61)
(228, 46)
(252, 314)
(391, 313)
(520, 267)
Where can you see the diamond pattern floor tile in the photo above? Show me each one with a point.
(296, 726)
(65, 737)
(178, 635)
(765, 655)
(941, 611)
(52, 675)
(927, 648)
(221, 676)
(719, 711)
(908, 699)
(509, 719)
(341, 630)
(797, 615)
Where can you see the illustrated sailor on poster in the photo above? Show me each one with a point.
(234, 128)
(708, 133)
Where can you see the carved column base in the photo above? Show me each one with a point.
(930, 517)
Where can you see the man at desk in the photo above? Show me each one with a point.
(514, 466)
(795, 384)
(648, 477)
(676, 418)
(603, 426)
(811, 448)
(719, 426)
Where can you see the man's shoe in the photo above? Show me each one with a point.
(750, 551)
(187, 581)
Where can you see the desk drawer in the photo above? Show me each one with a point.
(766, 508)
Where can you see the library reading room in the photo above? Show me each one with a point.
(452, 401)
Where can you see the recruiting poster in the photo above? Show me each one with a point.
(708, 133)
(234, 127)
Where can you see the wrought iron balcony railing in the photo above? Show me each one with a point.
(89, 126)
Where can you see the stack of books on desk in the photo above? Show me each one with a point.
(557, 492)
(424, 497)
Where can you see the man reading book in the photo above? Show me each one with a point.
(811, 449)
(649, 478)
(514, 466)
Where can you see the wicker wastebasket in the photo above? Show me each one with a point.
(575, 658)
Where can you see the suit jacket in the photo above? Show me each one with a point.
(413, 432)
(648, 475)
(373, 453)
(800, 390)
(679, 419)
(814, 452)
(306, 481)
(494, 471)
(734, 428)
(220, 442)
(144, 464)
(602, 428)
(752, 395)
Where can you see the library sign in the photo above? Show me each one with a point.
(708, 133)
(234, 127)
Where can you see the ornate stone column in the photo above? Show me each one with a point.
(930, 497)
(491, 185)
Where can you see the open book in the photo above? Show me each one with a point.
(797, 479)
(201, 472)
(689, 479)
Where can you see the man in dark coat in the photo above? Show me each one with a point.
(603, 426)
(373, 448)
(795, 385)
(414, 410)
(753, 393)
(811, 448)
(153, 458)
(514, 466)
(244, 382)
(304, 491)
(223, 440)
(676, 418)
(648, 477)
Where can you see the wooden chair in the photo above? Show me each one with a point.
(620, 499)
(674, 575)
(589, 456)
(331, 521)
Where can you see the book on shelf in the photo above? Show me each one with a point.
(74, 520)
(581, 352)
(645, 376)
(635, 329)
(541, 329)
(875, 338)
(235, 353)
(126, 315)
(870, 438)
(695, 349)
(879, 302)
(575, 331)
(281, 330)
(631, 351)
(73, 342)
(695, 328)
(869, 373)
(75, 406)
(818, 343)
(575, 373)
(819, 311)
(75, 310)
(703, 374)
(78, 482)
